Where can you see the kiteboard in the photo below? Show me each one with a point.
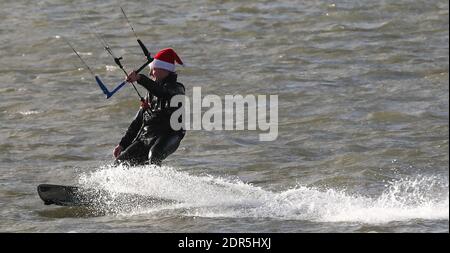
(64, 195)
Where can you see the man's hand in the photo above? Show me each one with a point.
(117, 151)
(133, 77)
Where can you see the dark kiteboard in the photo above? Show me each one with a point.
(63, 195)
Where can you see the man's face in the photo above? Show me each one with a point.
(159, 74)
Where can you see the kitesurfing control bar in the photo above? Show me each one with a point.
(117, 61)
(144, 49)
(144, 65)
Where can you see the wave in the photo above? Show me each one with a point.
(420, 197)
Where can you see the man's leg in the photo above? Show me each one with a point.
(164, 146)
(135, 154)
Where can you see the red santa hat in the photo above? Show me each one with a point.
(166, 59)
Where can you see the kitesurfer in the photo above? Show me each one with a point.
(150, 138)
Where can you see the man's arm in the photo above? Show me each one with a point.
(166, 91)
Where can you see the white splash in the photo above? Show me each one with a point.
(406, 199)
(85, 53)
(111, 68)
(26, 113)
(207, 196)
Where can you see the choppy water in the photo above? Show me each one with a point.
(363, 93)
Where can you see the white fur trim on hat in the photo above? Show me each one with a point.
(162, 65)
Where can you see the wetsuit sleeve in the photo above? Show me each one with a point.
(132, 130)
(161, 91)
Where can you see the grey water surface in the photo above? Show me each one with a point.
(363, 115)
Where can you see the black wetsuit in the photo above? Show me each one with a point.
(150, 138)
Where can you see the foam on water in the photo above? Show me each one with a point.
(422, 197)
(26, 113)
